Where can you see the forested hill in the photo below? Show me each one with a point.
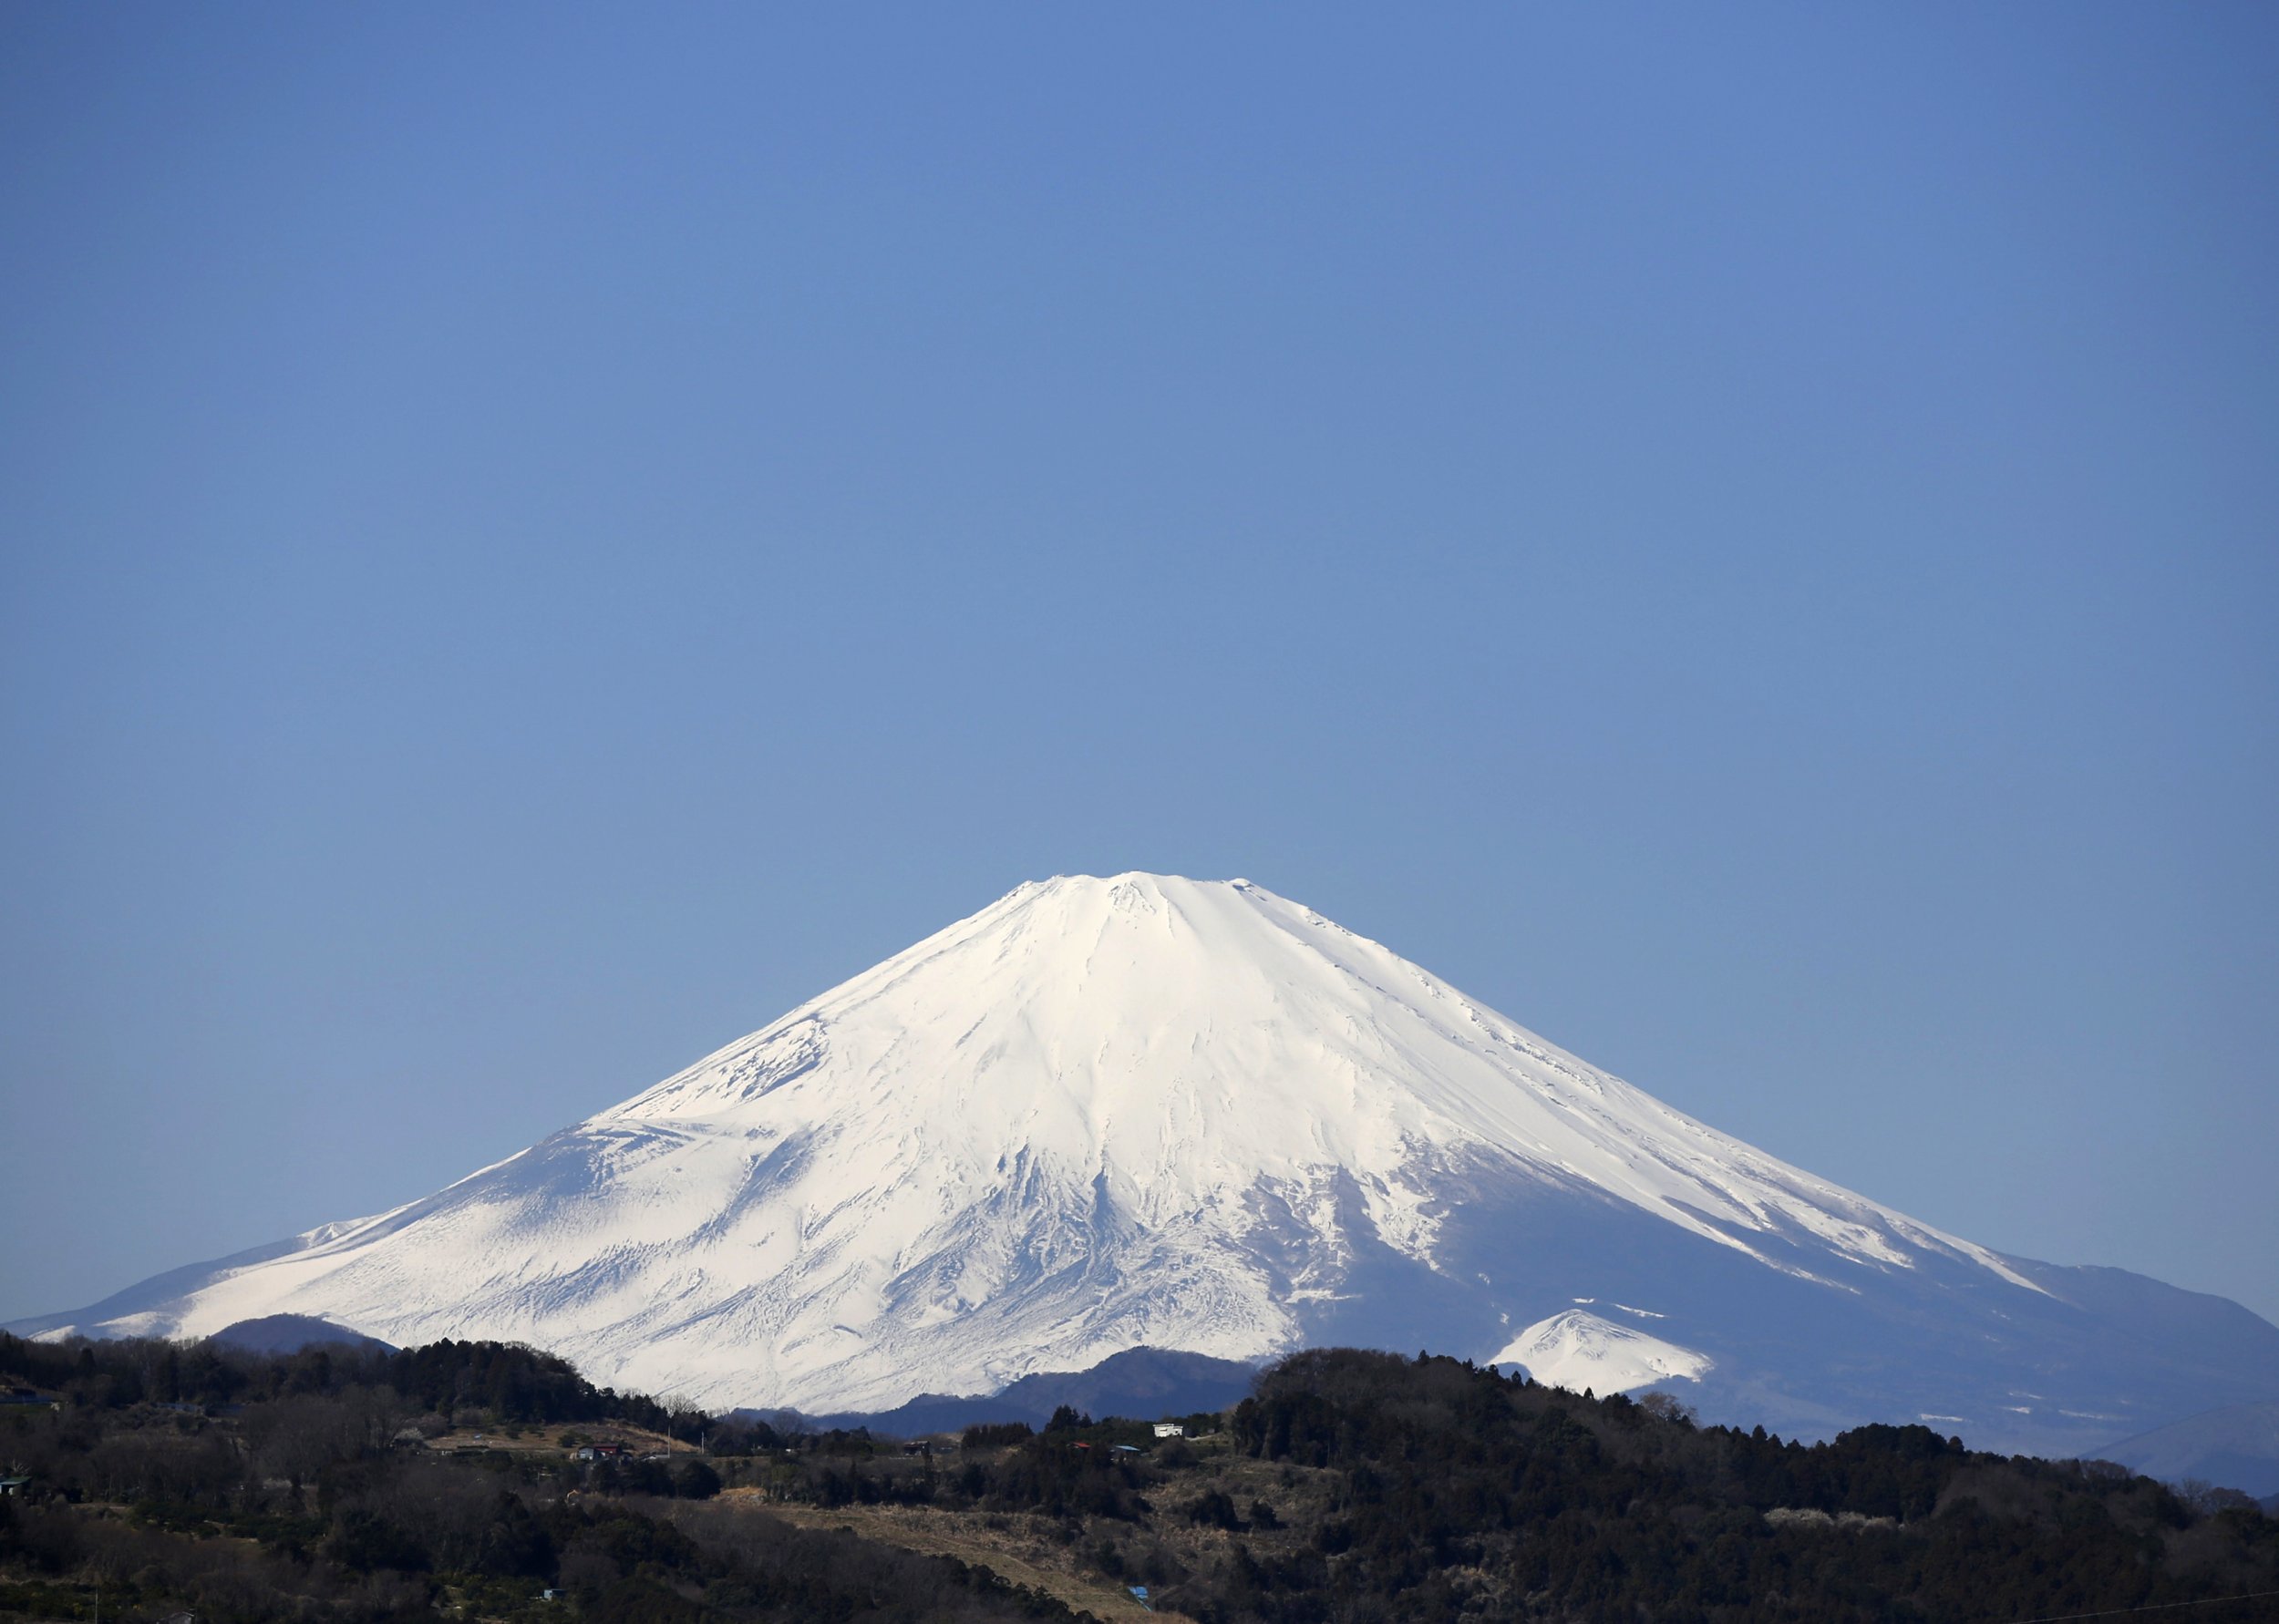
(1450, 1486)
(508, 1382)
(469, 1479)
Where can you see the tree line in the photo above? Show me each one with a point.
(1349, 1487)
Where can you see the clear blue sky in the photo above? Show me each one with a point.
(537, 538)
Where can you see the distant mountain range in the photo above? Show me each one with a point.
(1142, 1112)
(1143, 1383)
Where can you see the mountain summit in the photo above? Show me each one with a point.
(1146, 1111)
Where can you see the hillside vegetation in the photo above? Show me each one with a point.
(450, 1480)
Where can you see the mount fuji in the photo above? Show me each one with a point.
(1108, 1114)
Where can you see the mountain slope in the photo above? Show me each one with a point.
(1108, 1114)
(2235, 1447)
(1139, 1381)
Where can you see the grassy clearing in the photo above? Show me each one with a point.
(1013, 1553)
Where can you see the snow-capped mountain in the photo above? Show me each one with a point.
(1587, 1352)
(1143, 1111)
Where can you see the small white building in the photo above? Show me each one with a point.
(1170, 1429)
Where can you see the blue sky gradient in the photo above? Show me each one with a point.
(533, 540)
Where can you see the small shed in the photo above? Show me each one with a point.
(1171, 1429)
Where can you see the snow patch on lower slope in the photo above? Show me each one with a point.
(1576, 1350)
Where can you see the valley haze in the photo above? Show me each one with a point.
(1150, 1112)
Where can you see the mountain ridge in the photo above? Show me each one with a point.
(1140, 1383)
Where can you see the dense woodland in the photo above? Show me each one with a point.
(334, 1485)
